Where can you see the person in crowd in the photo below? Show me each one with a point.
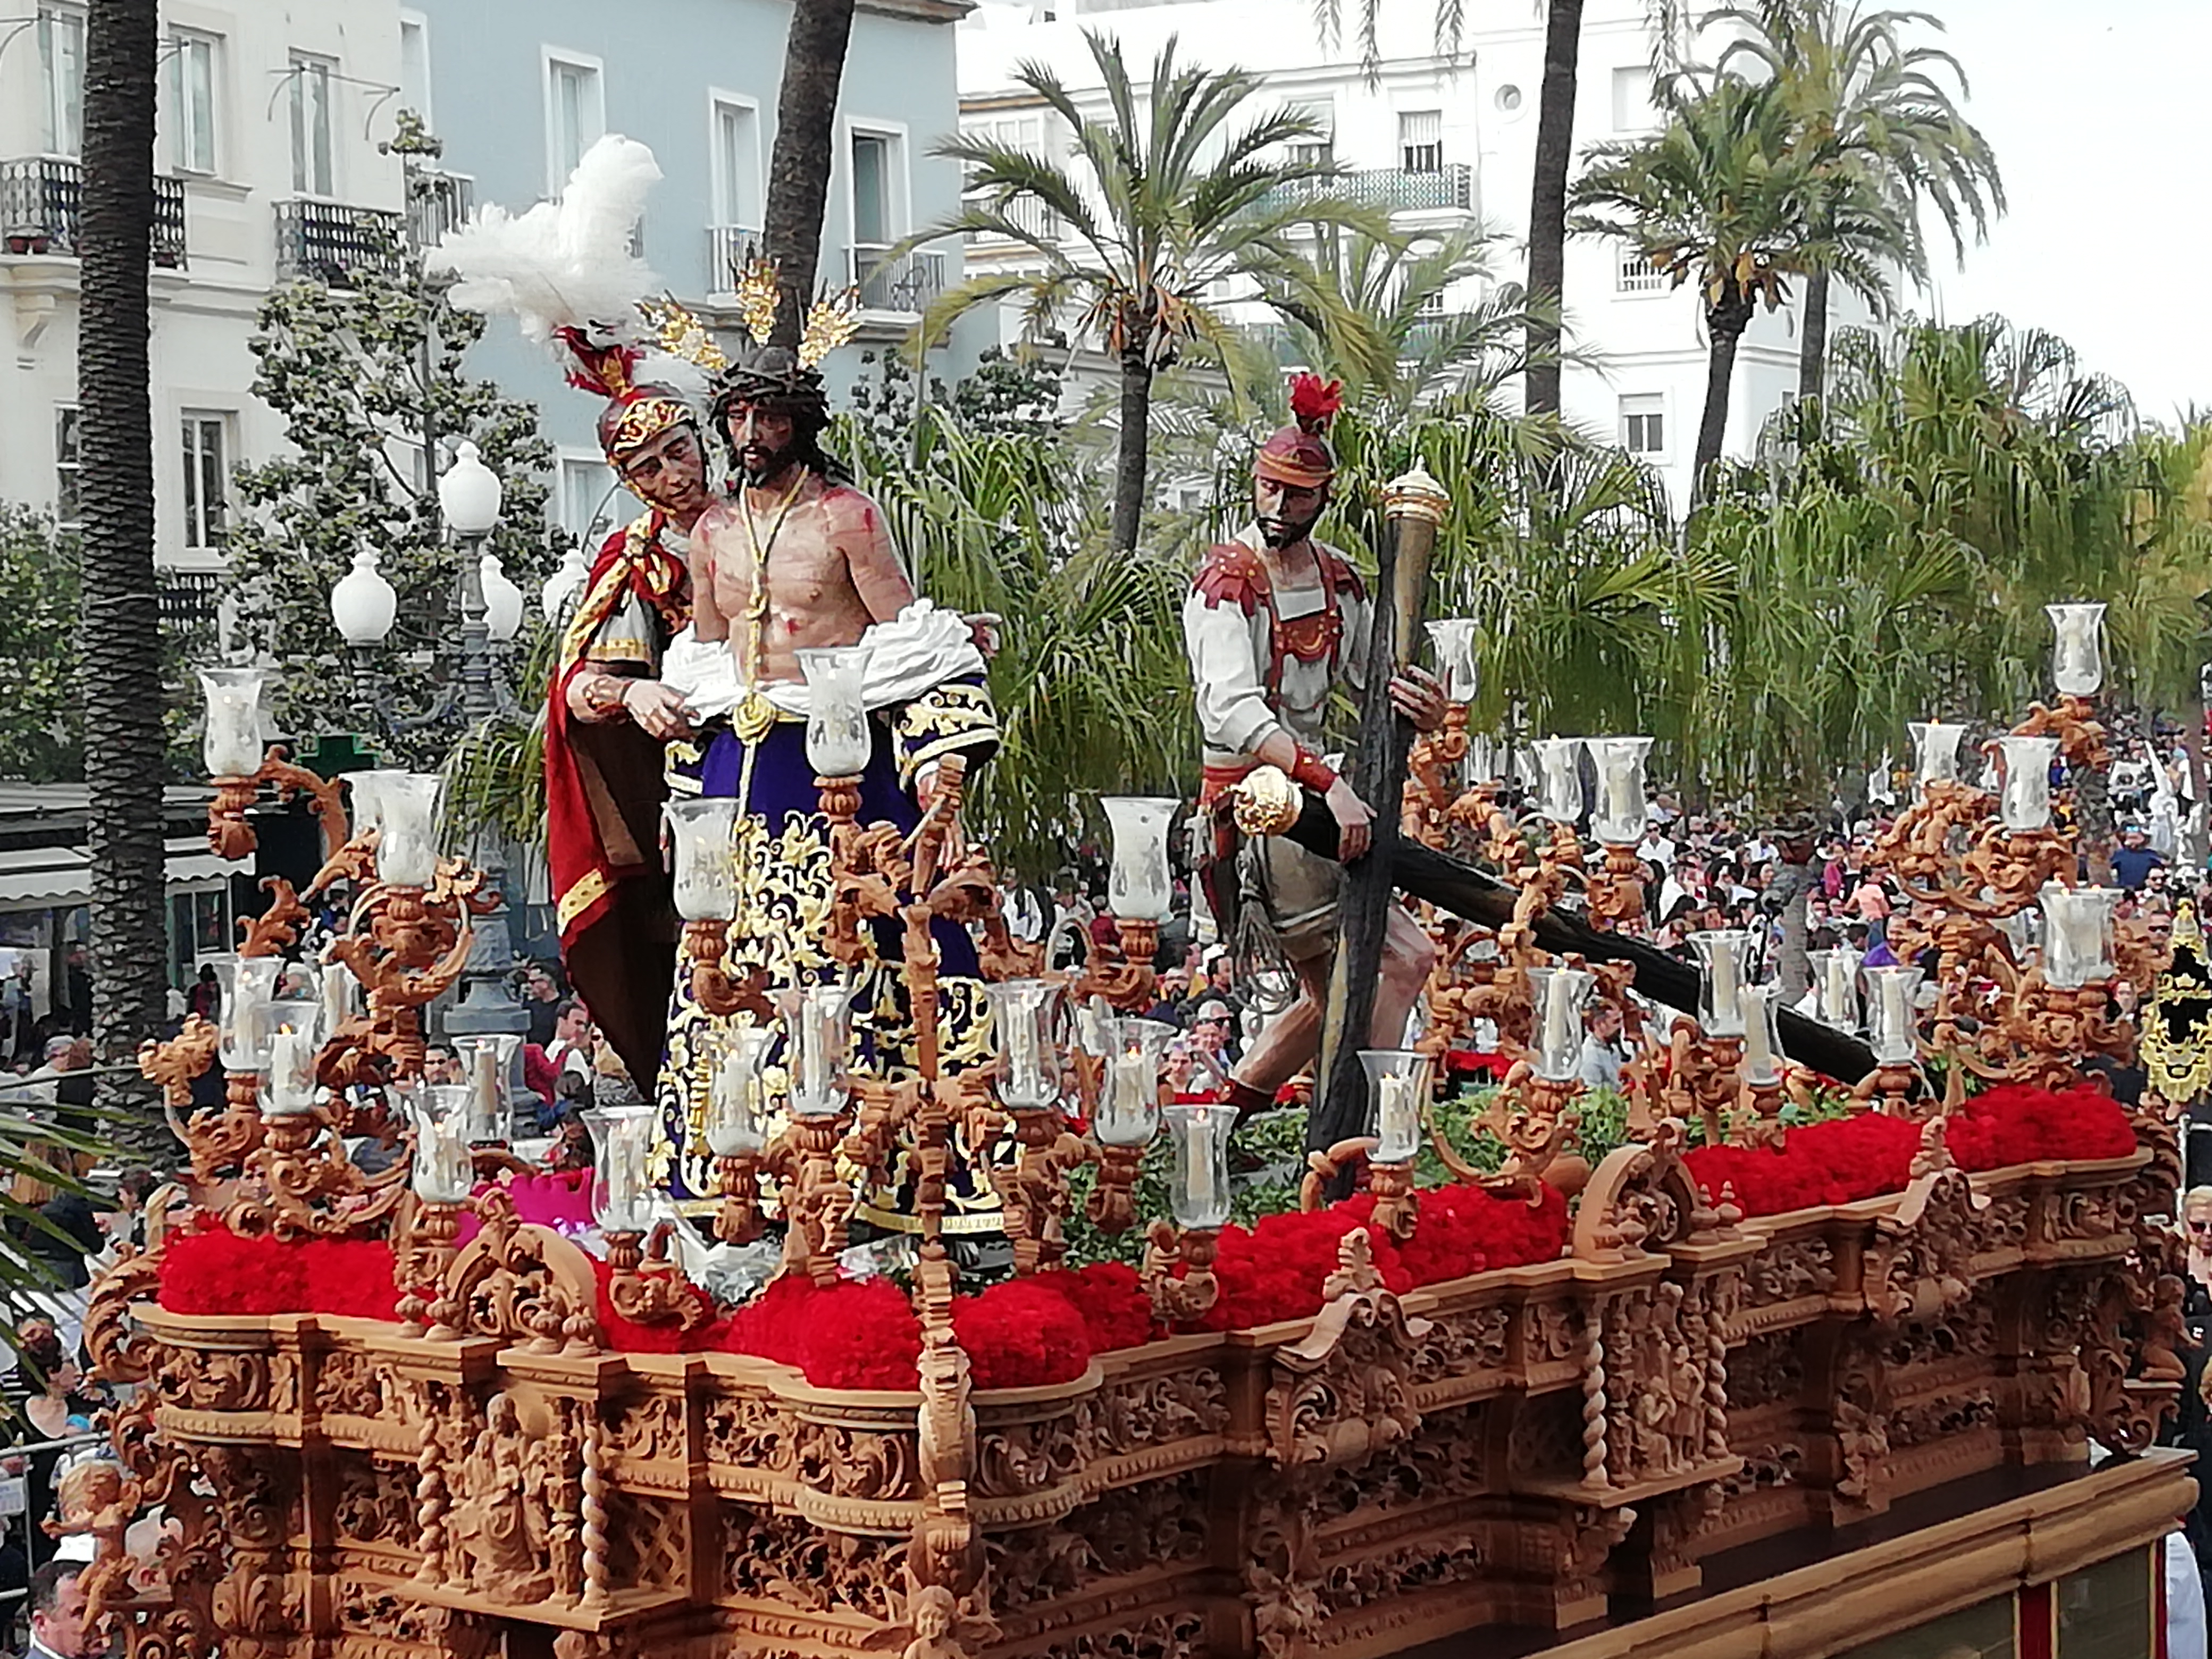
(76, 971)
(1210, 1027)
(125, 1224)
(440, 1066)
(59, 1629)
(570, 1051)
(2196, 1231)
(204, 1000)
(541, 999)
(1603, 1053)
(2135, 858)
(572, 1136)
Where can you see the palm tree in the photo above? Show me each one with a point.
(1092, 692)
(1721, 198)
(122, 632)
(1868, 105)
(1385, 330)
(806, 142)
(1168, 203)
(1548, 200)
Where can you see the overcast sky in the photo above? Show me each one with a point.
(2097, 112)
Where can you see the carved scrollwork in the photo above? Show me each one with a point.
(1345, 1391)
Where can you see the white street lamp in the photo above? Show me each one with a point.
(363, 603)
(562, 587)
(469, 493)
(502, 600)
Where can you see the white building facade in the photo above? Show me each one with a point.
(1443, 142)
(266, 161)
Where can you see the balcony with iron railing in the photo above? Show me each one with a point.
(1448, 188)
(331, 243)
(437, 202)
(40, 201)
(905, 285)
(1024, 213)
(728, 247)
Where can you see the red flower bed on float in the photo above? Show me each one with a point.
(1868, 1155)
(863, 1333)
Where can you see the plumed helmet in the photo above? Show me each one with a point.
(1297, 454)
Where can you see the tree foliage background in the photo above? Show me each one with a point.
(41, 720)
(346, 367)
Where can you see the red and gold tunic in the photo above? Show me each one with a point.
(604, 790)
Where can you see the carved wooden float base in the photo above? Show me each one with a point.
(1519, 1453)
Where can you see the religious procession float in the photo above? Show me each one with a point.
(1814, 1350)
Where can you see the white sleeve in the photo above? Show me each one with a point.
(1233, 716)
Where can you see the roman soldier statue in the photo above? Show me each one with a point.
(566, 271)
(1275, 625)
(795, 559)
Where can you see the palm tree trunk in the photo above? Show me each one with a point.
(122, 625)
(1724, 326)
(1547, 202)
(1813, 343)
(806, 142)
(1134, 455)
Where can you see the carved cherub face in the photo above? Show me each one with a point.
(933, 1613)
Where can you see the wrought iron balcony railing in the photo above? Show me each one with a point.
(40, 200)
(437, 202)
(1395, 189)
(1024, 213)
(906, 284)
(330, 242)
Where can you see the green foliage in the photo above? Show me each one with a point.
(1092, 694)
(42, 722)
(357, 373)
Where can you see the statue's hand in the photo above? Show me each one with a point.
(1354, 822)
(1420, 696)
(656, 709)
(983, 629)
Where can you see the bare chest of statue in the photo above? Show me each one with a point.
(783, 576)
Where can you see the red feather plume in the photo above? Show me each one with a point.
(1314, 402)
(606, 369)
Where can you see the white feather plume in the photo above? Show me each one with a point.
(564, 263)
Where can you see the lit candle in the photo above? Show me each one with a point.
(1757, 1002)
(1558, 1021)
(337, 982)
(1200, 1163)
(1129, 1113)
(2025, 804)
(483, 1085)
(1398, 1118)
(1895, 1035)
(291, 1082)
(1839, 987)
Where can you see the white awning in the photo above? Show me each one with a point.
(43, 878)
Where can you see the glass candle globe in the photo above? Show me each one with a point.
(2024, 802)
(232, 747)
(1128, 1112)
(1398, 1096)
(1139, 886)
(1893, 1020)
(838, 739)
(407, 826)
(2077, 649)
(2077, 933)
(622, 1167)
(1762, 1033)
(442, 1171)
(1560, 774)
(1198, 1191)
(1836, 987)
(1620, 817)
(1453, 640)
(1724, 956)
(705, 877)
(1029, 1067)
(249, 995)
(1935, 750)
(488, 1061)
(817, 1029)
(1559, 994)
(738, 1107)
(294, 1043)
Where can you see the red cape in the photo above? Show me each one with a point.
(604, 790)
